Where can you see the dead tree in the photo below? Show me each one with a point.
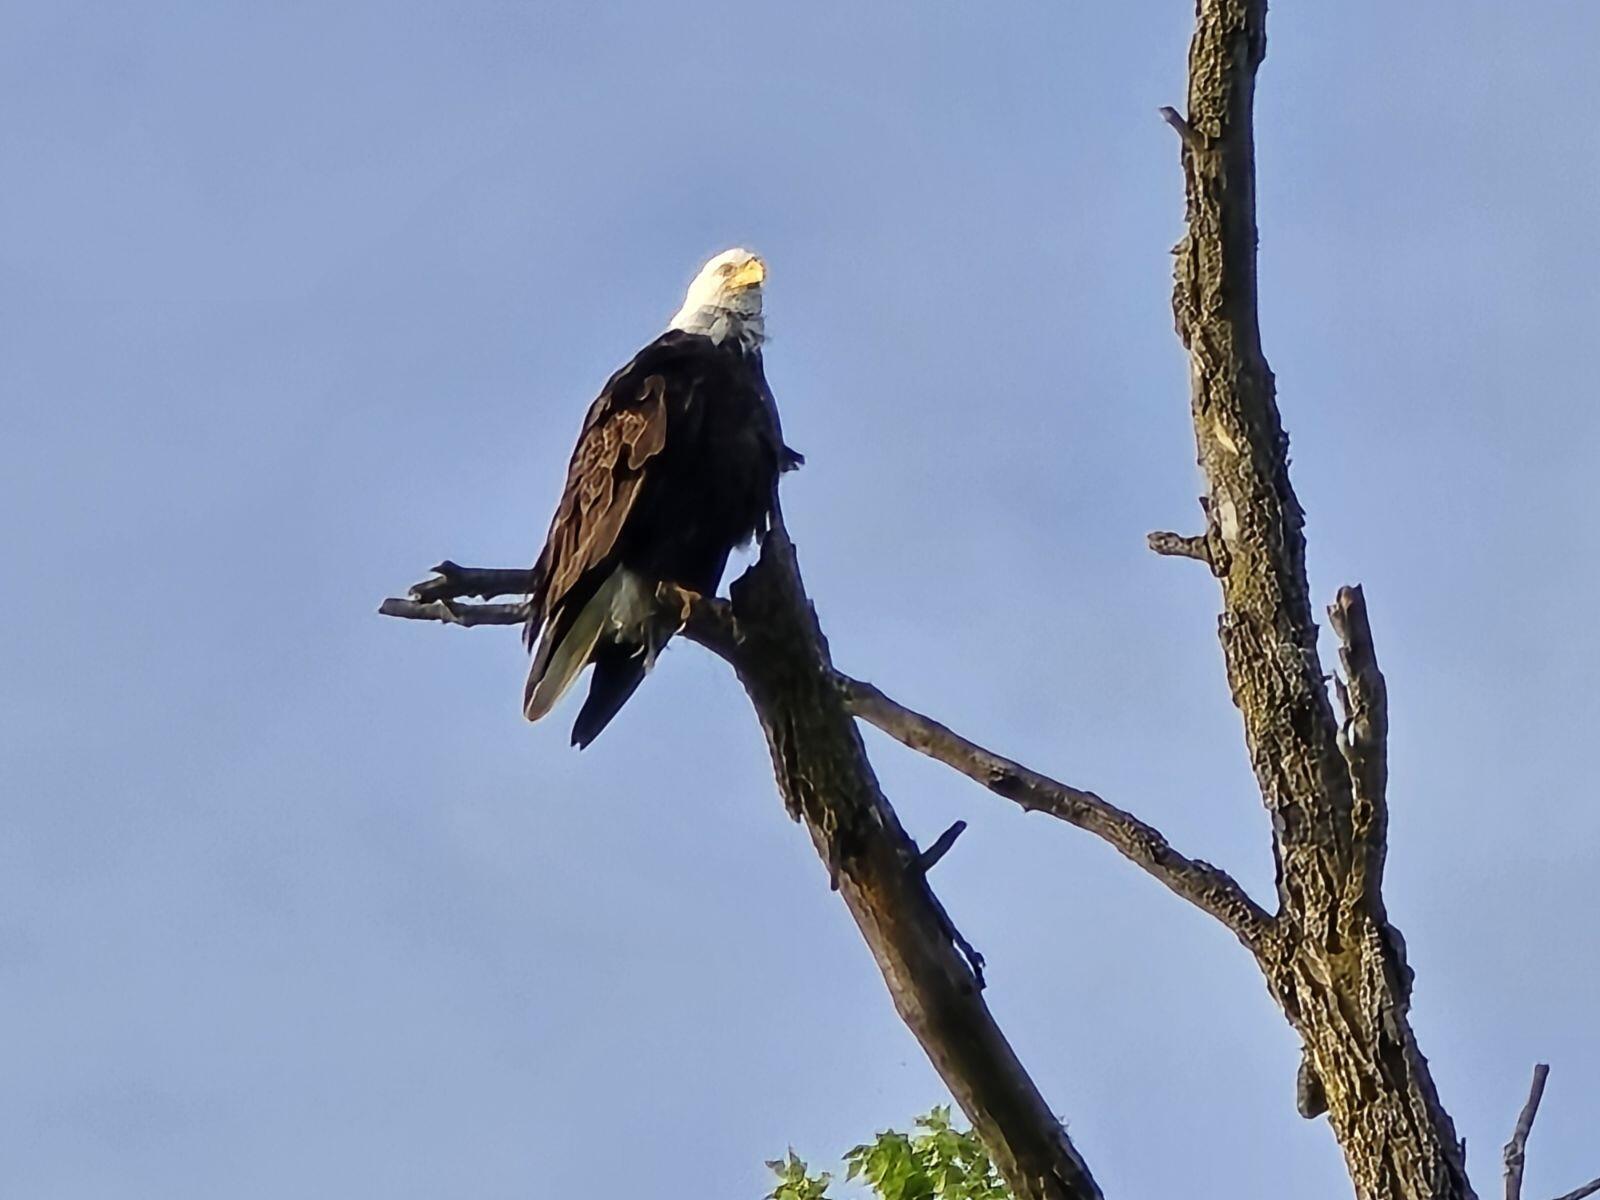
(1328, 953)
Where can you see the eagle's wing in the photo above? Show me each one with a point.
(626, 428)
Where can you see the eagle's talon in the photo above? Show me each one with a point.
(679, 598)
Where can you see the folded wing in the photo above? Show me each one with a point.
(576, 578)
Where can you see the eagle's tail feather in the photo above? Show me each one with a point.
(565, 649)
(618, 669)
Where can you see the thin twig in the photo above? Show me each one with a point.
(1191, 137)
(1202, 884)
(1587, 1189)
(941, 846)
(451, 582)
(1516, 1149)
(451, 612)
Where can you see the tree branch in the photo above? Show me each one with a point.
(1200, 883)
(827, 782)
(1184, 130)
(1516, 1149)
(930, 857)
(712, 624)
(1587, 1189)
(452, 613)
(769, 633)
(451, 582)
(706, 619)
(1178, 545)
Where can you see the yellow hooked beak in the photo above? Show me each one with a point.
(750, 274)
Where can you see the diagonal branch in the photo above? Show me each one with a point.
(826, 780)
(712, 624)
(1516, 1149)
(769, 634)
(1203, 885)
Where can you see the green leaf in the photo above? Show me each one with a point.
(936, 1161)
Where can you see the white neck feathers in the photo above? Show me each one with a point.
(722, 324)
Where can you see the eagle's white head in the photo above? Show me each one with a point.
(725, 300)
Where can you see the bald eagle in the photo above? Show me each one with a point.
(677, 463)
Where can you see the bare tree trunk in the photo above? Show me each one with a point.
(1335, 964)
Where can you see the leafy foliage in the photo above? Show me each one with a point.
(936, 1161)
(795, 1182)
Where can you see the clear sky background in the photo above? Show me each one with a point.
(299, 298)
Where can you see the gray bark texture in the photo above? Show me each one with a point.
(1333, 960)
(770, 635)
(933, 976)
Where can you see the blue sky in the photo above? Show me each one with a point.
(300, 298)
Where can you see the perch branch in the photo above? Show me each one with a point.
(769, 634)
(1200, 883)
(707, 620)
(1587, 1189)
(1363, 739)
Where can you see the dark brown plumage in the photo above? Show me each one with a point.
(677, 464)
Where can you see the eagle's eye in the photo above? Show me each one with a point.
(725, 269)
